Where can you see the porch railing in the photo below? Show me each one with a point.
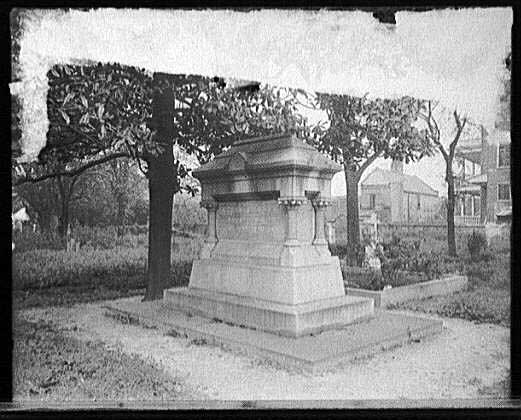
(467, 220)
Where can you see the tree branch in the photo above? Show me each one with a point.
(73, 172)
(365, 165)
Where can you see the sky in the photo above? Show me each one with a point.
(454, 56)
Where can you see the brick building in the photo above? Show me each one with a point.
(483, 179)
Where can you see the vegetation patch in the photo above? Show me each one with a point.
(48, 277)
(487, 298)
(51, 366)
(365, 278)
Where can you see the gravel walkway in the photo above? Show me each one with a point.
(466, 360)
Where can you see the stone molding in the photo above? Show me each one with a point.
(292, 201)
(320, 203)
(209, 204)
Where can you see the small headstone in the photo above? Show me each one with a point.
(372, 260)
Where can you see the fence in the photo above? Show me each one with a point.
(337, 232)
(467, 220)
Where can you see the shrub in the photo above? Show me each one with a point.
(340, 251)
(28, 240)
(118, 267)
(95, 237)
(477, 244)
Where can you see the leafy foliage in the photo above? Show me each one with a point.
(361, 130)
(96, 109)
(102, 109)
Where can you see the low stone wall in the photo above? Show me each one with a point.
(443, 286)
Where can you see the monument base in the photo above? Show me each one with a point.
(283, 319)
(314, 353)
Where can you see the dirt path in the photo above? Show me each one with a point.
(466, 360)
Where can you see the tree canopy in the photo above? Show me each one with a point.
(361, 130)
(101, 112)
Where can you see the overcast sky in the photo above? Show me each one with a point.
(449, 55)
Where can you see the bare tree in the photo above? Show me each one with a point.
(433, 134)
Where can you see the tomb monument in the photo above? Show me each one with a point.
(265, 263)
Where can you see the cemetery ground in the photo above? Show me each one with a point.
(65, 348)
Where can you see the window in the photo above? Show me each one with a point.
(468, 169)
(503, 155)
(467, 206)
(418, 198)
(477, 206)
(503, 192)
(372, 201)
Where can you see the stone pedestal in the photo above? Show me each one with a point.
(265, 263)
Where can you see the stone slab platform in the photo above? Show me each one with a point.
(312, 352)
(274, 317)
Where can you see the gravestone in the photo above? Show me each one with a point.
(265, 263)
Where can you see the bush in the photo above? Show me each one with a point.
(477, 244)
(340, 251)
(95, 237)
(400, 255)
(487, 298)
(361, 278)
(28, 240)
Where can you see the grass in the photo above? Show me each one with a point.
(50, 366)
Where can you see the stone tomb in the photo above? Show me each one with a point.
(265, 263)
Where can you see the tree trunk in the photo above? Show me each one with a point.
(451, 237)
(121, 212)
(63, 218)
(161, 181)
(352, 217)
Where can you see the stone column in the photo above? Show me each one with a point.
(320, 241)
(211, 235)
(291, 204)
(319, 205)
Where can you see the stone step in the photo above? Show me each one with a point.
(283, 319)
(328, 349)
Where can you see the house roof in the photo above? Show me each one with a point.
(411, 183)
(478, 179)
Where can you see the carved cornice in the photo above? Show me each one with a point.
(320, 203)
(291, 201)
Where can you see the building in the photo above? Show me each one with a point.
(397, 197)
(482, 180)
(19, 214)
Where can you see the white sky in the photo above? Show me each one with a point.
(454, 56)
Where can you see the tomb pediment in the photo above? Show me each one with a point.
(237, 162)
(268, 154)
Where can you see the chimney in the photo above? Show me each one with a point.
(397, 166)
